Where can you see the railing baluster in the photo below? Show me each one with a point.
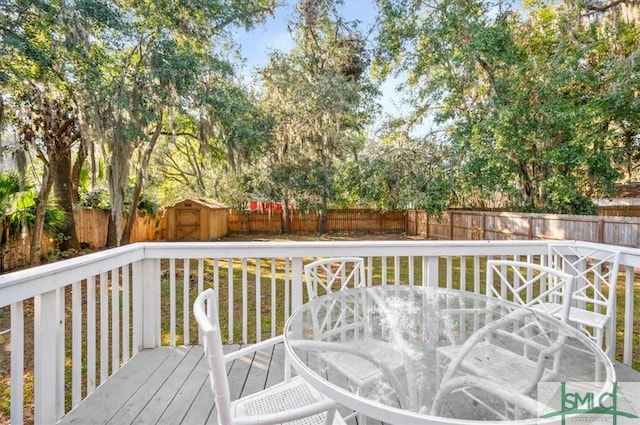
(104, 327)
(76, 343)
(462, 274)
(91, 334)
(60, 345)
(115, 320)
(17, 363)
(449, 272)
(245, 301)
(172, 302)
(287, 298)
(396, 270)
(411, 271)
(126, 311)
(137, 287)
(476, 274)
(273, 297)
(230, 297)
(186, 286)
(258, 300)
(383, 268)
(628, 316)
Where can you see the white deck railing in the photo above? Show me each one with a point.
(91, 314)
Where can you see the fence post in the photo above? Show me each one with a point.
(484, 225)
(600, 231)
(450, 212)
(427, 220)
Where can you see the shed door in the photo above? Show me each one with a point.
(188, 224)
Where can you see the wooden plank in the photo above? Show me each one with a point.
(174, 396)
(100, 406)
(276, 368)
(202, 409)
(147, 389)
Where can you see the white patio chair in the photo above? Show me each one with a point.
(328, 275)
(292, 401)
(594, 292)
(503, 360)
(531, 285)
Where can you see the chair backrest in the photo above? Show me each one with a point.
(595, 271)
(531, 285)
(333, 274)
(205, 310)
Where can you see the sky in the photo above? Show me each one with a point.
(273, 35)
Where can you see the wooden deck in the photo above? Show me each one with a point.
(169, 385)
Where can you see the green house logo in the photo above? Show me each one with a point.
(589, 403)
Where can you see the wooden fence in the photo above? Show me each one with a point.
(487, 225)
(91, 228)
(338, 221)
(453, 224)
(620, 210)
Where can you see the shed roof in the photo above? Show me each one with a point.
(201, 202)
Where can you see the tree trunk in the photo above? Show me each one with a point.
(41, 208)
(112, 235)
(322, 222)
(76, 169)
(117, 177)
(286, 228)
(142, 174)
(62, 187)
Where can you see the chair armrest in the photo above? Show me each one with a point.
(253, 348)
(478, 336)
(326, 405)
(466, 381)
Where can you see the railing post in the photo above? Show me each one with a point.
(48, 362)
(146, 304)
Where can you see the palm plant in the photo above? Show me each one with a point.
(18, 210)
(9, 189)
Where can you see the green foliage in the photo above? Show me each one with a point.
(97, 198)
(319, 98)
(401, 176)
(539, 104)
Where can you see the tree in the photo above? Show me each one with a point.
(48, 128)
(150, 73)
(34, 58)
(320, 100)
(401, 171)
(520, 92)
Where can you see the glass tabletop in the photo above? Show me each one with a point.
(413, 354)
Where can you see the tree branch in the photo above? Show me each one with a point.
(605, 7)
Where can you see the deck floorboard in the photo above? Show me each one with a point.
(169, 385)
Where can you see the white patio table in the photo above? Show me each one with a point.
(413, 323)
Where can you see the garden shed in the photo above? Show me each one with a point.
(196, 220)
